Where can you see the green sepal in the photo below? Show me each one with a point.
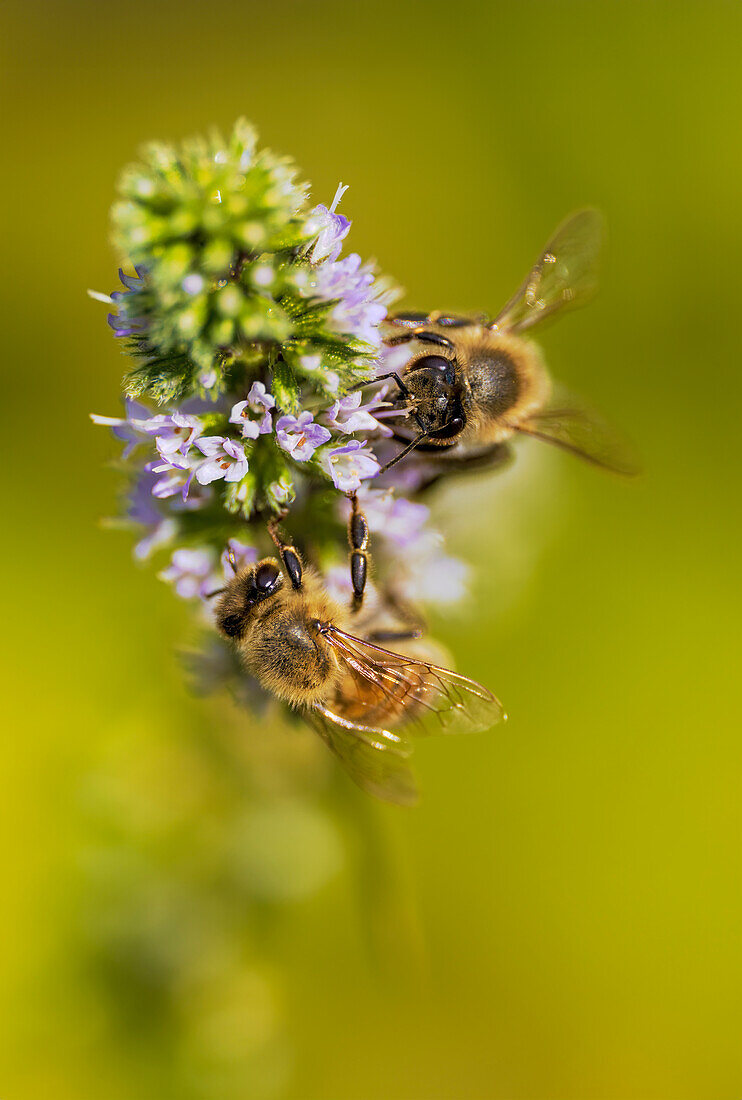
(285, 387)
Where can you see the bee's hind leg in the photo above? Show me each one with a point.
(410, 623)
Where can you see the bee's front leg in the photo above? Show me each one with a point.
(358, 540)
(289, 554)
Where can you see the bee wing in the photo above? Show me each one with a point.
(564, 276)
(586, 434)
(397, 690)
(374, 758)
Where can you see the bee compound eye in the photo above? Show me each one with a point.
(433, 363)
(266, 577)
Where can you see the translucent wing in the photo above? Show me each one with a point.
(373, 758)
(586, 434)
(564, 276)
(391, 690)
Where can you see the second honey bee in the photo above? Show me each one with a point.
(471, 385)
(326, 661)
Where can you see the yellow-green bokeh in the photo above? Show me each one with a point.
(561, 917)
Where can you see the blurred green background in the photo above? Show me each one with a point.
(196, 906)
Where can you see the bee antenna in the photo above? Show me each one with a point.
(273, 527)
(405, 451)
(216, 592)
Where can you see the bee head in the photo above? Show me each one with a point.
(244, 592)
(433, 382)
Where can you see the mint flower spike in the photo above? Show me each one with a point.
(237, 278)
(208, 227)
(248, 330)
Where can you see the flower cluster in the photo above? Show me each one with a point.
(237, 277)
(181, 447)
(252, 336)
(248, 325)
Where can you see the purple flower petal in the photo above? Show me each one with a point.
(331, 229)
(348, 416)
(225, 458)
(192, 572)
(300, 436)
(351, 464)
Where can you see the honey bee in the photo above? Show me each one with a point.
(363, 699)
(473, 384)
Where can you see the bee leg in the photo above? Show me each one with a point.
(495, 457)
(413, 320)
(289, 554)
(381, 637)
(404, 390)
(408, 634)
(423, 335)
(411, 624)
(380, 378)
(358, 539)
(405, 451)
